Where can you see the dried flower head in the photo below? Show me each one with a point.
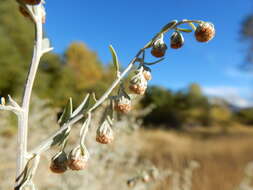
(138, 83)
(176, 40)
(205, 32)
(145, 177)
(159, 48)
(30, 2)
(78, 158)
(105, 132)
(59, 163)
(131, 182)
(123, 102)
(2, 101)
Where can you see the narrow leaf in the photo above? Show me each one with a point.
(184, 30)
(66, 113)
(82, 106)
(169, 26)
(115, 58)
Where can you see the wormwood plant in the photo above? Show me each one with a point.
(27, 161)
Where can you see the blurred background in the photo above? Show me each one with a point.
(194, 124)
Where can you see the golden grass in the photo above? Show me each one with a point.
(222, 157)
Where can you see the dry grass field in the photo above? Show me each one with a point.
(222, 156)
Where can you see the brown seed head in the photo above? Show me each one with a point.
(105, 133)
(104, 139)
(123, 107)
(205, 32)
(138, 89)
(59, 163)
(176, 40)
(159, 50)
(145, 178)
(78, 159)
(131, 182)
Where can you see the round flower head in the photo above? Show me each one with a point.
(131, 182)
(159, 49)
(30, 2)
(123, 102)
(2, 101)
(205, 32)
(145, 177)
(176, 40)
(105, 133)
(59, 163)
(78, 158)
(138, 83)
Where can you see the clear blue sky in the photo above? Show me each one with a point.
(128, 24)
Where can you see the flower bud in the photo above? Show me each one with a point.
(147, 75)
(105, 133)
(2, 101)
(145, 178)
(30, 2)
(123, 102)
(78, 159)
(59, 163)
(176, 40)
(159, 49)
(205, 32)
(138, 83)
(131, 182)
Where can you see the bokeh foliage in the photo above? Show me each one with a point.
(79, 71)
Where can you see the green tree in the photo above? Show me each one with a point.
(16, 35)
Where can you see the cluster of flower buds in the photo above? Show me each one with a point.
(78, 158)
(59, 163)
(105, 132)
(123, 102)
(205, 32)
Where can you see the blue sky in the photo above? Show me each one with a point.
(129, 24)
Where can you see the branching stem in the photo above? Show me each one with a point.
(23, 116)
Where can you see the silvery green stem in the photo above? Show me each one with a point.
(23, 117)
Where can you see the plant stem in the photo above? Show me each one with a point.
(23, 117)
(46, 144)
